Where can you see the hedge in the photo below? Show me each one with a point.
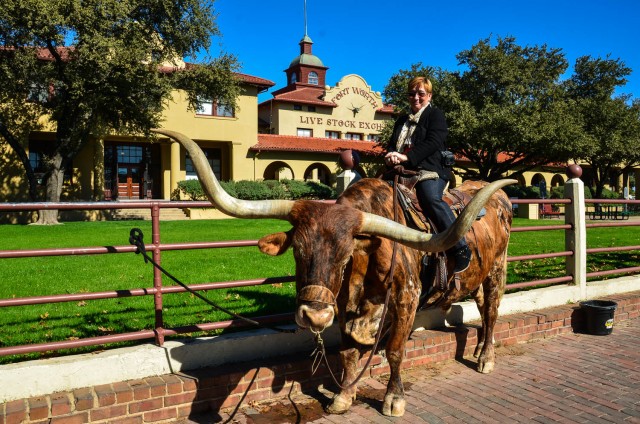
(533, 192)
(259, 190)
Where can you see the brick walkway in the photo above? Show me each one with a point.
(569, 378)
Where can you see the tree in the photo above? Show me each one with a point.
(610, 124)
(507, 111)
(103, 66)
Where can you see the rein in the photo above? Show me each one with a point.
(320, 353)
(136, 239)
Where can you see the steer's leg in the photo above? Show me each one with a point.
(478, 296)
(493, 289)
(349, 356)
(394, 402)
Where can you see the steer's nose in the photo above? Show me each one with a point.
(313, 318)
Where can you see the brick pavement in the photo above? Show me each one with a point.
(571, 378)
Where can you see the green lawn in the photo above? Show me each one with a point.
(73, 274)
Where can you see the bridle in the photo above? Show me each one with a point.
(320, 353)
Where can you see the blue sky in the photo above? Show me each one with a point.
(375, 38)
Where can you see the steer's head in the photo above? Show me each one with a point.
(323, 240)
(324, 236)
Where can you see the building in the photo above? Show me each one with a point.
(126, 168)
(307, 123)
(297, 134)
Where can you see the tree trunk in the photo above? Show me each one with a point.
(54, 189)
(98, 174)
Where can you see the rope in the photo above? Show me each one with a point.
(136, 239)
(320, 354)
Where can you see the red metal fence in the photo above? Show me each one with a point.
(155, 248)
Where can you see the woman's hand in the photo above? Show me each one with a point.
(395, 158)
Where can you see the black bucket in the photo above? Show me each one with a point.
(599, 316)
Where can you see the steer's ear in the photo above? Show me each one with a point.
(367, 244)
(275, 244)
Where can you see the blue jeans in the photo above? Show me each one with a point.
(430, 194)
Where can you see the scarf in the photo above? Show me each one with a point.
(404, 144)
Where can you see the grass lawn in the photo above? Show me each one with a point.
(94, 273)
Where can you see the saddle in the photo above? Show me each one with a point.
(433, 273)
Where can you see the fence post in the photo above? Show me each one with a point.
(575, 239)
(157, 274)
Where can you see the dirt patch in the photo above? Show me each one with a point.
(511, 350)
(299, 410)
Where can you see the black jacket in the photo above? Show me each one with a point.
(428, 139)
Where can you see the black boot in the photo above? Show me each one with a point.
(462, 257)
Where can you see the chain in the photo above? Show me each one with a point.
(136, 238)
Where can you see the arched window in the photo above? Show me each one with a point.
(313, 78)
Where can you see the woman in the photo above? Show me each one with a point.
(416, 144)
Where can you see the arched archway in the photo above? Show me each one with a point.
(557, 180)
(535, 180)
(521, 181)
(318, 172)
(278, 171)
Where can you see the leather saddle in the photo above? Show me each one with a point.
(434, 272)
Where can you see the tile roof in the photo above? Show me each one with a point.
(292, 143)
(386, 109)
(253, 80)
(303, 95)
(310, 96)
(44, 54)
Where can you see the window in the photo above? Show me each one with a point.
(210, 108)
(294, 78)
(305, 132)
(35, 159)
(297, 107)
(38, 93)
(332, 134)
(353, 136)
(373, 137)
(205, 107)
(313, 78)
(214, 157)
(39, 151)
(311, 108)
(223, 109)
(129, 154)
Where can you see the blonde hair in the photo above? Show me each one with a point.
(416, 82)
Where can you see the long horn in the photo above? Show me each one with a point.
(276, 209)
(383, 227)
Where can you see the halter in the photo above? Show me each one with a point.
(320, 354)
(316, 293)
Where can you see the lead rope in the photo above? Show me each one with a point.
(136, 239)
(320, 353)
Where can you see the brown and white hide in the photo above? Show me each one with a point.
(343, 255)
(355, 269)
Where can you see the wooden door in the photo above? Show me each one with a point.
(129, 181)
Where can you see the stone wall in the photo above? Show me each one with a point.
(174, 396)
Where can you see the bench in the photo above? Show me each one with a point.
(546, 210)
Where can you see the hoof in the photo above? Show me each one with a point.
(393, 405)
(341, 404)
(476, 352)
(485, 367)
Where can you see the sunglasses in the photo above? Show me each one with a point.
(421, 94)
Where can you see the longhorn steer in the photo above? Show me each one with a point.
(343, 255)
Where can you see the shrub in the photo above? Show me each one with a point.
(260, 190)
(308, 190)
(531, 192)
(191, 188)
(253, 190)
